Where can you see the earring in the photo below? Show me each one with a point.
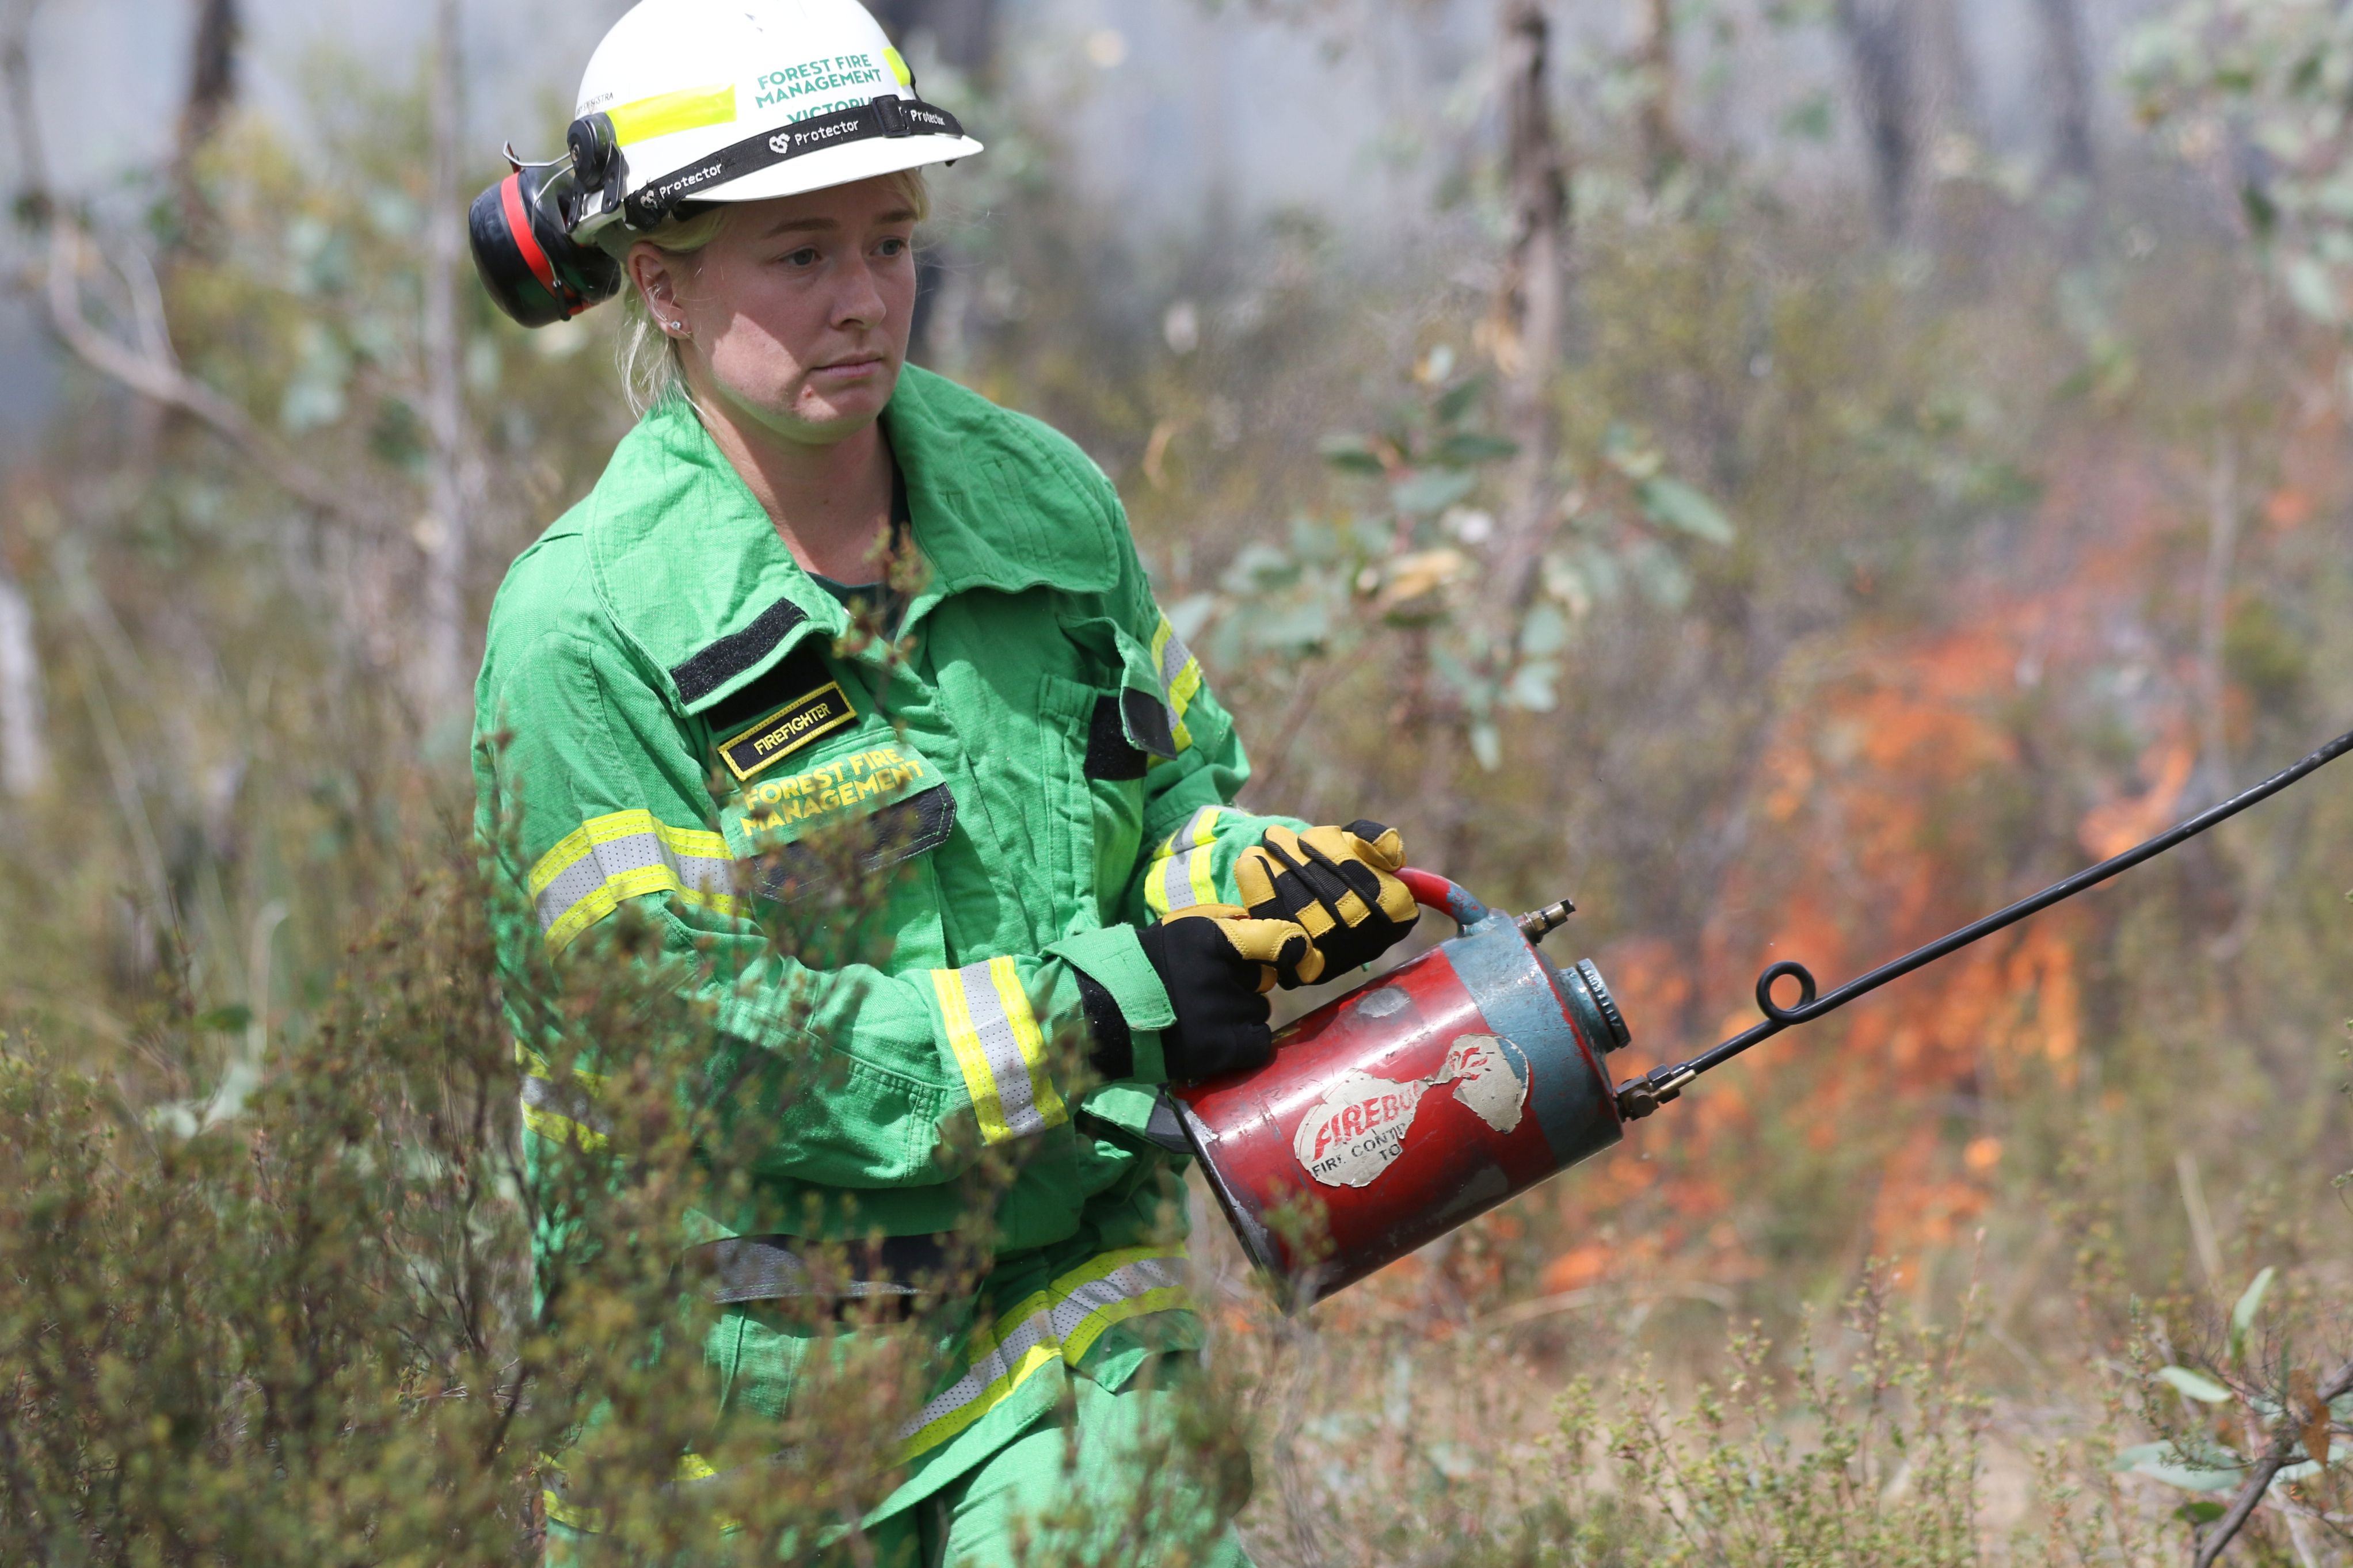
(677, 326)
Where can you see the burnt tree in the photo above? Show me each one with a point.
(1880, 40)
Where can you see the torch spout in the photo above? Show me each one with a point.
(1537, 925)
(1639, 1097)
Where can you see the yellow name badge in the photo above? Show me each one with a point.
(782, 733)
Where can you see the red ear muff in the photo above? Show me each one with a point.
(535, 271)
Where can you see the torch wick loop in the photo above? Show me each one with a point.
(1774, 1010)
(1639, 1097)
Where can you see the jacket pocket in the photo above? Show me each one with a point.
(1104, 782)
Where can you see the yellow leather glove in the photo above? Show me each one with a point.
(1217, 964)
(1338, 885)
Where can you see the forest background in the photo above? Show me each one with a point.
(1790, 475)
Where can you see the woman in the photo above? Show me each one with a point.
(853, 602)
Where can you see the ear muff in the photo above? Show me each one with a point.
(535, 271)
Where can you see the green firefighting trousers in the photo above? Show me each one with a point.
(673, 718)
(1107, 1480)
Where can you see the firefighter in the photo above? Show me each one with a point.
(1045, 781)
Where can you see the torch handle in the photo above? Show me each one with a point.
(1434, 891)
(1639, 1097)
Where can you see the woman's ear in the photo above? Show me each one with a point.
(656, 274)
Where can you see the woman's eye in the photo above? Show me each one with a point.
(805, 256)
(894, 246)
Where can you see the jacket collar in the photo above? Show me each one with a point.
(694, 576)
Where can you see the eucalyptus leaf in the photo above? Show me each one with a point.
(2207, 1468)
(2315, 293)
(1260, 568)
(1675, 504)
(1662, 578)
(1456, 401)
(2196, 1386)
(1465, 449)
(1432, 491)
(1487, 745)
(1542, 632)
(1350, 453)
(2242, 1316)
(1531, 686)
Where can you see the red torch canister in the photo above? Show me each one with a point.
(1407, 1107)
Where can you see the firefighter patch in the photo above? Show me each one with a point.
(782, 733)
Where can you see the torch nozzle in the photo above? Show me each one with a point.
(1637, 1097)
(1537, 925)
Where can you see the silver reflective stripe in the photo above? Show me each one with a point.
(622, 855)
(1175, 878)
(1123, 1283)
(1181, 878)
(999, 1042)
(1031, 1332)
(569, 1100)
(1064, 1324)
(574, 883)
(1173, 658)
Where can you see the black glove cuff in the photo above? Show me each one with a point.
(1114, 1052)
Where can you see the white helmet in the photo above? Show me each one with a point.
(740, 101)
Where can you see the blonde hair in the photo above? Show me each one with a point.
(652, 362)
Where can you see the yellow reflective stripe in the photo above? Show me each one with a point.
(559, 1111)
(558, 1129)
(1200, 829)
(538, 1065)
(580, 1517)
(898, 64)
(1162, 1299)
(689, 108)
(937, 1432)
(980, 1083)
(1177, 880)
(1028, 1040)
(621, 856)
(1061, 1322)
(998, 1049)
(1181, 692)
(1180, 678)
(1200, 864)
(561, 1512)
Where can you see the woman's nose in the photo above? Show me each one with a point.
(861, 302)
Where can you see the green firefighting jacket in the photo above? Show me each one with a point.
(670, 707)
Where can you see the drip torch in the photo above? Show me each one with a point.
(1430, 1094)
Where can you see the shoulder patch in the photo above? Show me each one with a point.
(709, 669)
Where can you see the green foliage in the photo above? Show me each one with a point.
(2261, 92)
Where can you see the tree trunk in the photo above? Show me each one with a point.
(442, 533)
(2067, 70)
(212, 73)
(1528, 303)
(1662, 143)
(1951, 71)
(1878, 35)
(23, 742)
